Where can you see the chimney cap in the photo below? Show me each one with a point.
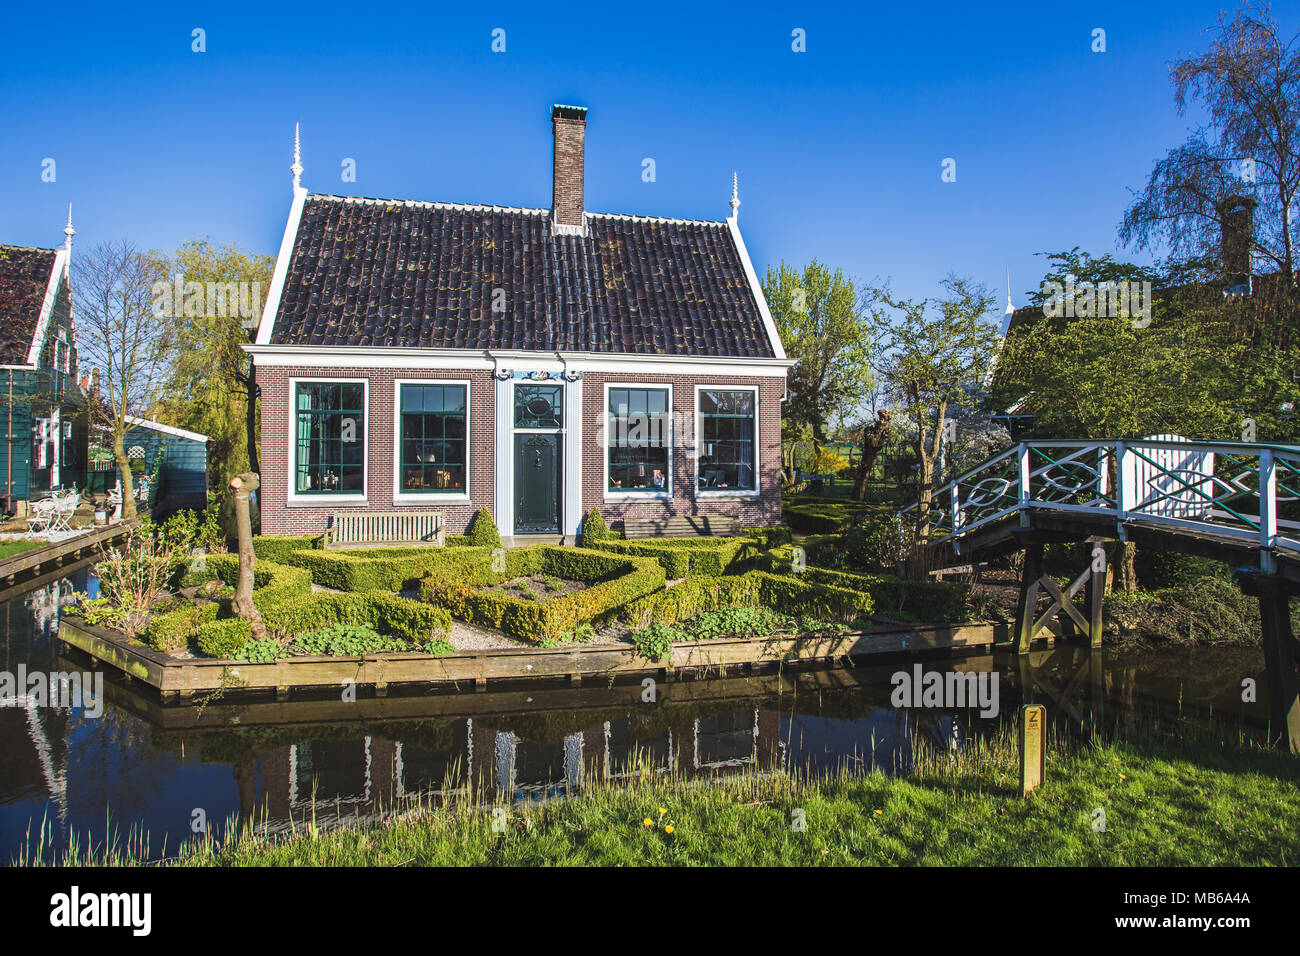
(561, 111)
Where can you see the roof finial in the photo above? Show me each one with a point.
(1010, 308)
(68, 230)
(296, 168)
(735, 197)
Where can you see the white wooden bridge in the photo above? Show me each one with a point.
(1234, 501)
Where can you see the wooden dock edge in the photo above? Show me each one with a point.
(80, 547)
(181, 678)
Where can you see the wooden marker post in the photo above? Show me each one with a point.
(1033, 755)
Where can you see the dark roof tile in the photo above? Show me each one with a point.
(373, 273)
(24, 278)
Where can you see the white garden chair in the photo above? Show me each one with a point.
(40, 516)
(64, 508)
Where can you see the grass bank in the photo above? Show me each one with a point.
(1198, 806)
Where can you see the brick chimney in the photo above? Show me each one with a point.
(1237, 232)
(569, 124)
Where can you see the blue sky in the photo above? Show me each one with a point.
(838, 148)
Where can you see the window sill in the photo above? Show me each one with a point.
(431, 499)
(639, 495)
(728, 495)
(328, 501)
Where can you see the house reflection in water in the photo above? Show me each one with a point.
(368, 775)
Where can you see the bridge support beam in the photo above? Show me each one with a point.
(1279, 658)
(1030, 579)
(1061, 616)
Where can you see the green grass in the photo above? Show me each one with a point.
(10, 548)
(1163, 807)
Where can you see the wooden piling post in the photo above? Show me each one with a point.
(1029, 584)
(1095, 593)
(1280, 661)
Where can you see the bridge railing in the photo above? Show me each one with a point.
(1233, 489)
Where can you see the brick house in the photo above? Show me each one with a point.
(419, 356)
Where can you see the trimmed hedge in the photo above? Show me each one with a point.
(686, 557)
(288, 606)
(769, 537)
(380, 569)
(930, 602)
(482, 531)
(279, 548)
(613, 582)
(753, 589)
(594, 528)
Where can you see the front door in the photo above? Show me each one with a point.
(537, 484)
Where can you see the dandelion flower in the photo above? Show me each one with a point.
(662, 811)
(668, 829)
(647, 822)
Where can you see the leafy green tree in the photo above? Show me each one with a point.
(934, 358)
(210, 386)
(821, 324)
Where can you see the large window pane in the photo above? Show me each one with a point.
(433, 454)
(330, 438)
(639, 435)
(727, 436)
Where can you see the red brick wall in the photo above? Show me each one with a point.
(278, 517)
(752, 512)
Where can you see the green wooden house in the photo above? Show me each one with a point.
(42, 406)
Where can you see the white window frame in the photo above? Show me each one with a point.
(327, 501)
(725, 493)
(401, 497)
(648, 494)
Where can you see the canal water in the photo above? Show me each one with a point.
(163, 771)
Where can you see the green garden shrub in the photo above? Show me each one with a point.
(873, 546)
(594, 529)
(279, 548)
(1157, 569)
(173, 631)
(387, 569)
(687, 557)
(798, 596)
(283, 595)
(928, 602)
(613, 581)
(224, 639)
(482, 530)
(768, 538)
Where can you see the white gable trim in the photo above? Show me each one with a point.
(281, 267)
(47, 306)
(166, 429)
(777, 348)
(330, 356)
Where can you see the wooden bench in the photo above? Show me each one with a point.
(394, 529)
(682, 526)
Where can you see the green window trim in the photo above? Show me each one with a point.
(329, 439)
(728, 440)
(433, 437)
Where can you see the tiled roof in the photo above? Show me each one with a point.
(368, 272)
(24, 277)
